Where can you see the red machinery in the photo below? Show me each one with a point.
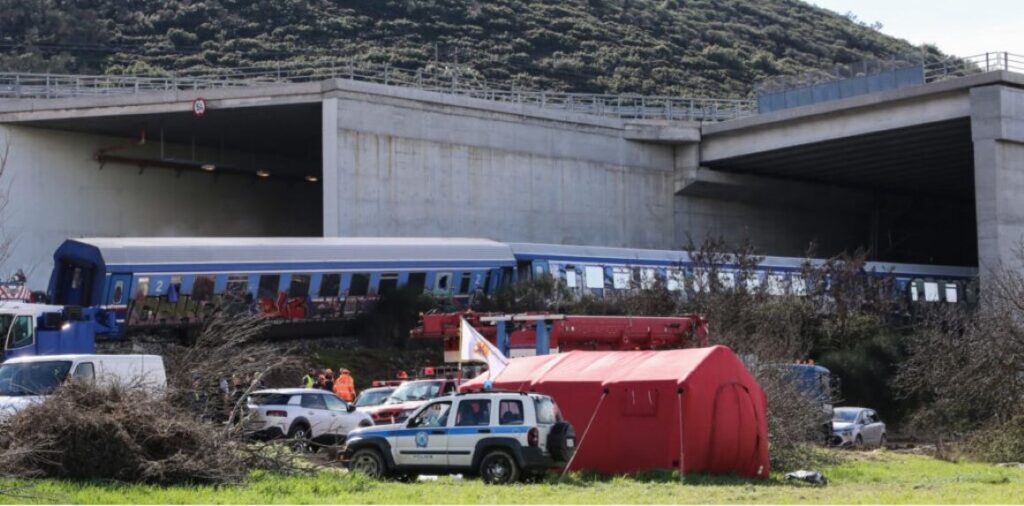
(516, 335)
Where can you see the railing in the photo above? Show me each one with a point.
(959, 67)
(442, 78)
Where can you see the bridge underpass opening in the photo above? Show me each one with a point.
(918, 183)
(245, 171)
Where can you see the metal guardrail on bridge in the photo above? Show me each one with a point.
(962, 66)
(447, 79)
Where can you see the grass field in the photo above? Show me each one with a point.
(876, 477)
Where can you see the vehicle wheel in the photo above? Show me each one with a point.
(498, 468)
(300, 437)
(858, 443)
(367, 461)
(883, 441)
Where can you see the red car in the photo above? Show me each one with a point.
(409, 396)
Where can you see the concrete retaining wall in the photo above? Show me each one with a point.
(57, 191)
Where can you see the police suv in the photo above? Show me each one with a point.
(498, 436)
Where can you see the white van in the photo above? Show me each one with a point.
(25, 380)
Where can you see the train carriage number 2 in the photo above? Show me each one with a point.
(159, 287)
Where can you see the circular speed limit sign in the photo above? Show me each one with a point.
(199, 107)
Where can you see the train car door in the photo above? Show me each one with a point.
(117, 292)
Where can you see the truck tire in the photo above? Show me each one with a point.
(367, 461)
(558, 441)
(498, 468)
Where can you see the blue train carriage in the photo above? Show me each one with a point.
(41, 329)
(601, 271)
(179, 282)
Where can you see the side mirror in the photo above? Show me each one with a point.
(351, 408)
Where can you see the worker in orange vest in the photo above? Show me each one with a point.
(345, 386)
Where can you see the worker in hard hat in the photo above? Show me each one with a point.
(345, 386)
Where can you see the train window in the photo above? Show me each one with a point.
(952, 293)
(700, 282)
(797, 285)
(916, 290)
(570, 276)
(118, 296)
(360, 285)
(752, 282)
(931, 291)
(268, 286)
(776, 283)
(444, 282)
(417, 281)
(388, 283)
(329, 285)
(621, 278)
(464, 283)
(674, 280)
(299, 286)
(202, 288)
(594, 276)
(237, 285)
(648, 278)
(142, 288)
(727, 279)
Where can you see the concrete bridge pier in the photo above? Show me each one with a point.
(997, 129)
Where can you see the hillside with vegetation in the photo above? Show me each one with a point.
(677, 47)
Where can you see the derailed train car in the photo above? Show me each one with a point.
(175, 283)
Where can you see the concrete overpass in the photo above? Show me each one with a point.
(927, 174)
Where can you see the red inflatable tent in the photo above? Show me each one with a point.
(698, 410)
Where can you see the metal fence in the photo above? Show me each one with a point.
(442, 78)
(986, 62)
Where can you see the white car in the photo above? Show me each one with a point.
(499, 436)
(28, 380)
(311, 418)
(857, 427)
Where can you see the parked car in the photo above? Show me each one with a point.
(311, 418)
(408, 397)
(373, 397)
(499, 436)
(857, 427)
(27, 380)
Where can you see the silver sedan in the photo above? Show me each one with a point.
(857, 427)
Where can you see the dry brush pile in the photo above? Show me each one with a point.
(128, 433)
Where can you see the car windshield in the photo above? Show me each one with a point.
(33, 378)
(845, 415)
(373, 397)
(415, 391)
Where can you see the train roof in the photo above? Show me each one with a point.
(139, 251)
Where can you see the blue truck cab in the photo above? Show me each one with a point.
(42, 329)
